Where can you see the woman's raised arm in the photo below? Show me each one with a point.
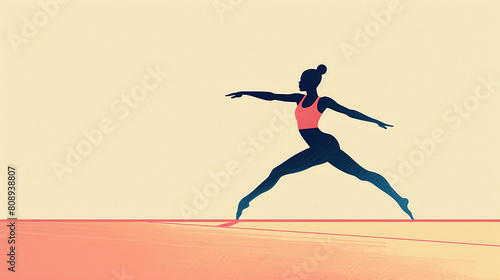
(269, 96)
(331, 104)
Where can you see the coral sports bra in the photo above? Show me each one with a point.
(307, 117)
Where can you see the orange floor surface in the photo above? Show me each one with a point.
(144, 250)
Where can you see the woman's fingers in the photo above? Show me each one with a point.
(387, 125)
(384, 125)
(234, 94)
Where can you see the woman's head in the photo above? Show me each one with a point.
(311, 78)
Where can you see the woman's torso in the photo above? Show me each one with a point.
(307, 121)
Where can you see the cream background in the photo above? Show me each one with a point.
(65, 79)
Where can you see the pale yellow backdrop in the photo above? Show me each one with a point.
(65, 66)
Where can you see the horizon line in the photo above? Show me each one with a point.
(261, 220)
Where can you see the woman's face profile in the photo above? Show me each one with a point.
(308, 80)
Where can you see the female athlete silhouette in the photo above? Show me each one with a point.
(322, 147)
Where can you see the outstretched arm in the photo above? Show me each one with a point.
(330, 103)
(294, 97)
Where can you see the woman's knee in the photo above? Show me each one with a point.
(278, 172)
(366, 175)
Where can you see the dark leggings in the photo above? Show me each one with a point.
(322, 148)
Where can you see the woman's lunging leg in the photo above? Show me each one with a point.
(345, 163)
(299, 162)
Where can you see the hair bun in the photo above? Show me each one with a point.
(321, 69)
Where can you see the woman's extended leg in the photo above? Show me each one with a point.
(345, 163)
(299, 162)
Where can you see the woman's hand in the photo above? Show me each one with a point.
(235, 94)
(384, 125)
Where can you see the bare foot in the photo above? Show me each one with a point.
(241, 206)
(403, 203)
